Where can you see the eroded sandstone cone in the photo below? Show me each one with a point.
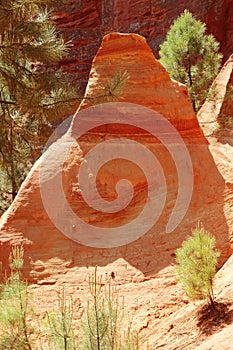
(49, 253)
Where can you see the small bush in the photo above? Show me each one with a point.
(196, 265)
(61, 328)
(102, 324)
(20, 328)
(15, 333)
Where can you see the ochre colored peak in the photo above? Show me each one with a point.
(124, 36)
(124, 45)
(148, 82)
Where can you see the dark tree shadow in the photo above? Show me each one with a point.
(212, 319)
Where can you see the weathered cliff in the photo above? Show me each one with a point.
(85, 23)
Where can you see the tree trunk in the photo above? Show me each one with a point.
(12, 166)
(211, 299)
(191, 83)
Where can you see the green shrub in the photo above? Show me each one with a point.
(61, 328)
(101, 328)
(196, 265)
(103, 320)
(191, 56)
(15, 332)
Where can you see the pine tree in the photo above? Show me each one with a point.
(15, 331)
(104, 319)
(196, 265)
(60, 323)
(33, 98)
(191, 56)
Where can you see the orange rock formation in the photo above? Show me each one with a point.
(50, 255)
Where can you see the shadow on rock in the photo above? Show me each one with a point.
(211, 319)
(224, 135)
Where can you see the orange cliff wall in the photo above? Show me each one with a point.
(84, 23)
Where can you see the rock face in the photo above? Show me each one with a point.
(218, 108)
(216, 118)
(219, 341)
(49, 254)
(84, 23)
